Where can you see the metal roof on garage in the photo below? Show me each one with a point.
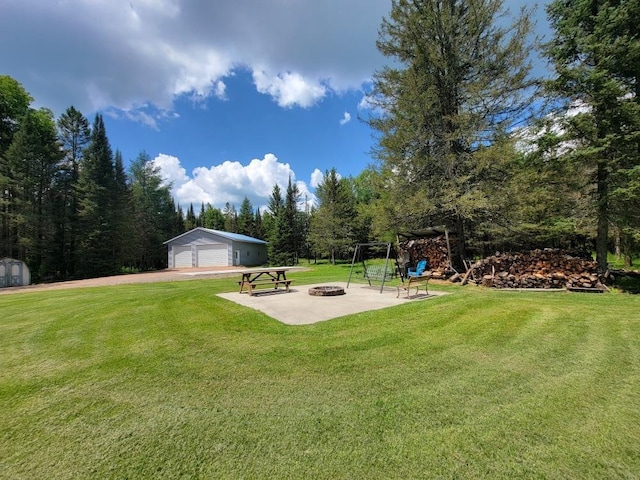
(236, 237)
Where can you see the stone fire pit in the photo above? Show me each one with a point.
(328, 291)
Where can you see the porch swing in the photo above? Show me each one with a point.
(375, 272)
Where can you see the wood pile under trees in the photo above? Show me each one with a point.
(548, 269)
(433, 249)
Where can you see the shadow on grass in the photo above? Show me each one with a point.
(628, 282)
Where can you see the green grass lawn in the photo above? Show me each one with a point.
(169, 381)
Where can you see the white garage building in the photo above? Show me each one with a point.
(203, 247)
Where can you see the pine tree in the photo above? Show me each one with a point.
(33, 159)
(200, 221)
(245, 218)
(332, 230)
(96, 219)
(190, 220)
(285, 240)
(258, 226)
(456, 81)
(271, 223)
(74, 135)
(596, 56)
(179, 221)
(123, 224)
(230, 218)
(213, 218)
(153, 210)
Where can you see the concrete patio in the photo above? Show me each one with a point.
(297, 307)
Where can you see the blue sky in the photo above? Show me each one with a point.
(228, 97)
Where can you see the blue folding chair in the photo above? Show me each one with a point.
(419, 270)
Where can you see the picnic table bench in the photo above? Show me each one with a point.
(416, 282)
(272, 277)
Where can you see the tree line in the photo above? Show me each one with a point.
(466, 138)
(70, 209)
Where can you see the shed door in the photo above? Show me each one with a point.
(182, 257)
(11, 273)
(212, 255)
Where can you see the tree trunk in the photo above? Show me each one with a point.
(458, 254)
(602, 236)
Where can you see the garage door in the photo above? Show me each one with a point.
(182, 257)
(212, 255)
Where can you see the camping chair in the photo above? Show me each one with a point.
(419, 270)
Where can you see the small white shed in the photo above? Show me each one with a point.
(204, 247)
(13, 273)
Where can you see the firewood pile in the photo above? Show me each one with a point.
(548, 268)
(433, 249)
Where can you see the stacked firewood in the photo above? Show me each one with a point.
(548, 268)
(433, 249)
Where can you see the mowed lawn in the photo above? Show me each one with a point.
(167, 380)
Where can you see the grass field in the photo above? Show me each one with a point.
(169, 381)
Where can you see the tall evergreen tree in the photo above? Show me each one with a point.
(201, 215)
(33, 159)
(276, 203)
(457, 80)
(270, 220)
(153, 209)
(213, 218)
(245, 218)
(230, 218)
(284, 241)
(74, 135)
(190, 219)
(332, 230)
(258, 226)
(96, 219)
(180, 221)
(596, 55)
(122, 213)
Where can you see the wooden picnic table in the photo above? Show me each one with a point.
(269, 276)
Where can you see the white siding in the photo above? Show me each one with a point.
(251, 254)
(213, 255)
(201, 247)
(182, 257)
(13, 273)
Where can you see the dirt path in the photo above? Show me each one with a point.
(147, 277)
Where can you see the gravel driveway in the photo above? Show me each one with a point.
(147, 277)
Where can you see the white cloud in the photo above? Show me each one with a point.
(345, 119)
(289, 89)
(171, 170)
(220, 90)
(229, 181)
(316, 178)
(139, 52)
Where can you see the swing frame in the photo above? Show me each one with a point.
(357, 255)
